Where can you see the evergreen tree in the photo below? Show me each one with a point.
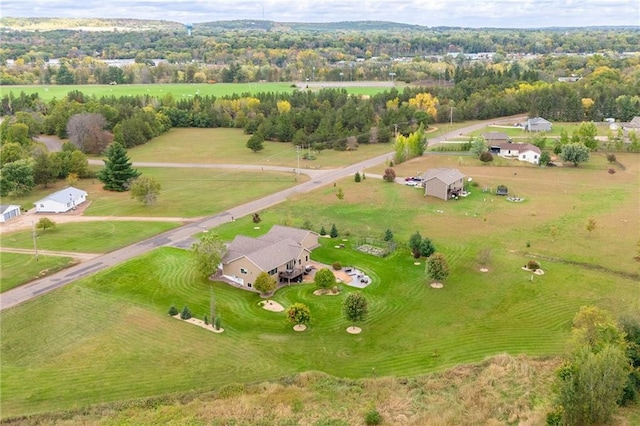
(334, 231)
(117, 172)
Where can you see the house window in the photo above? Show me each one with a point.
(42, 206)
(243, 271)
(306, 258)
(249, 285)
(299, 261)
(273, 271)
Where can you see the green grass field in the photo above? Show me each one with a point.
(16, 268)
(88, 237)
(108, 337)
(557, 128)
(160, 90)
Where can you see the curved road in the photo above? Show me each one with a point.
(182, 237)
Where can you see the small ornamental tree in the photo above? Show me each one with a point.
(415, 244)
(186, 313)
(484, 257)
(173, 311)
(388, 235)
(217, 322)
(545, 158)
(299, 313)
(323, 232)
(265, 283)
(389, 175)
(437, 267)
(145, 189)
(357, 177)
(611, 158)
(575, 153)
(486, 157)
(45, 223)
(426, 247)
(355, 307)
(256, 142)
(340, 193)
(324, 278)
(255, 217)
(334, 231)
(591, 225)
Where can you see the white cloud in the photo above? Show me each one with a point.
(468, 13)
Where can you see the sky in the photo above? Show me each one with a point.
(430, 13)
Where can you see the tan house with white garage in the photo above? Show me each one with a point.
(283, 252)
(443, 183)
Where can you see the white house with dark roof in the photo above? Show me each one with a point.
(8, 212)
(521, 151)
(283, 252)
(443, 183)
(61, 201)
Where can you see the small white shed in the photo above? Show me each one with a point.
(61, 201)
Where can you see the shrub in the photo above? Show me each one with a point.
(611, 170)
(532, 264)
(334, 231)
(372, 417)
(611, 158)
(206, 320)
(186, 313)
(323, 231)
(324, 278)
(357, 177)
(486, 157)
(173, 310)
(307, 225)
(216, 322)
(337, 266)
(389, 175)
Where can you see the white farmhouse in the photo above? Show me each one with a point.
(521, 151)
(61, 201)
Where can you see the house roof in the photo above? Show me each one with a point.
(520, 147)
(265, 254)
(446, 175)
(493, 136)
(635, 121)
(538, 120)
(279, 232)
(64, 195)
(275, 248)
(6, 207)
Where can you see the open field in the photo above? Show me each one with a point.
(88, 237)
(48, 92)
(186, 192)
(217, 146)
(108, 337)
(16, 269)
(556, 129)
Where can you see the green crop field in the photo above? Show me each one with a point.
(48, 92)
(108, 337)
(18, 268)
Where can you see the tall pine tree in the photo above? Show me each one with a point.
(117, 172)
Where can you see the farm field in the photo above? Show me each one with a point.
(121, 336)
(17, 268)
(48, 92)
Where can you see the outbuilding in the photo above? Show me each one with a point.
(443, 183)
(61, 201)
(8, 212)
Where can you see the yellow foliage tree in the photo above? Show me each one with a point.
(425, 102)
(283, 106)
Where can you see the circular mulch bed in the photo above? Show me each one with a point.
(437, 285)
(299, 327)
(354, 330)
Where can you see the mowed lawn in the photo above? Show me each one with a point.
(216, 146)
(108, 337)
(88, 237)
(18, 268)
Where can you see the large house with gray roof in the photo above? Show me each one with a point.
(61, 201)
(283, 252)
(537, 124)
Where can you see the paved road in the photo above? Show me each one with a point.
(183, 236)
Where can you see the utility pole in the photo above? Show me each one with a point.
(298, 157)
(396, 130)
(33, 234)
